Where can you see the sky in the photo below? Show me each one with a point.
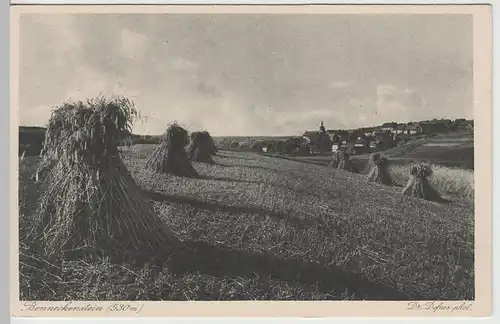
(244, 75)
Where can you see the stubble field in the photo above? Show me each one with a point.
(262, 228)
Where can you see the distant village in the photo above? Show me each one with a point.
(370, 139)
(314, 142)
(352, 141)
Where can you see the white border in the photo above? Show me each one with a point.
(496, 132)
(269, 2)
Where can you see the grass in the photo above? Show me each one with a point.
(447, 181)
(254, 227)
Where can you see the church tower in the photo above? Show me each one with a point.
(322, 128)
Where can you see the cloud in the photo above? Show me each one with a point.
(207, 89)
(222, 115)
(340, 84)
(183, 64)
(223, 74)
(357, 102)
(133, 45)
(401, 104)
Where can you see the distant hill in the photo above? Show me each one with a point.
(31, 139)
(30, 129)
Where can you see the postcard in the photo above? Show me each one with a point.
(251, 160)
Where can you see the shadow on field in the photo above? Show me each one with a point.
(299, 191)
(212, 178)
(246, 166)
(230, 156)
(222, 261)
(297, 159)
(236, 180)
(214, 206)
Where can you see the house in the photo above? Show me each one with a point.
(341, 135)
(368, 131)
(353, 135)
(400, 129)
(333, 134)
(376, 145)
(267, 147)
(316, 136)
(379, 145)
(361, 144)
(389, 126)
(383, 133)
(311, 136)
(413, 129)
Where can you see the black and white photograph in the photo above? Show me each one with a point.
(176, 156)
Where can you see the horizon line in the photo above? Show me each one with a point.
(277, 135)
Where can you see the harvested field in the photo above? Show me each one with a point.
(254, 227)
